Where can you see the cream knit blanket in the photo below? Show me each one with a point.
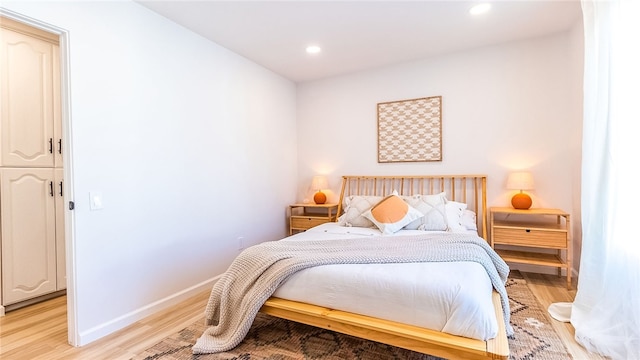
(257, 272)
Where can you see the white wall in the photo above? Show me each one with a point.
(178, 135)
(512, 106)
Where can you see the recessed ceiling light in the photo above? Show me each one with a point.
(313, 49)
(480, 9)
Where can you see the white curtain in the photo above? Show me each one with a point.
(606, 310)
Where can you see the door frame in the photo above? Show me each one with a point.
(69, 219)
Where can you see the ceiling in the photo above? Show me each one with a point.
(361, 35)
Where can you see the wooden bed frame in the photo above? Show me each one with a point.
(470, 189)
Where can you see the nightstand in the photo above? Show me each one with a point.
(532, 229)
(306, 216)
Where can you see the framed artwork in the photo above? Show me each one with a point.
(410, 130)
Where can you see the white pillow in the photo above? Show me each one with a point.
(454, 216)
(354, 207)
(392, 214)
(433, 208)
(459, 218)
(469, 220)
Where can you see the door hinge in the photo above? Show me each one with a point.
(71, 205)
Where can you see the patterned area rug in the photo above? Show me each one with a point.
(534, 336)
(272, 338)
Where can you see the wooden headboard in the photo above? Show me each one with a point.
(468, 189)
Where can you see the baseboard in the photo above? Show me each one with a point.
(109, 327)
(1, 310)
(39, 299)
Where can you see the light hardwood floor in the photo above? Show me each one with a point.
(40, 331)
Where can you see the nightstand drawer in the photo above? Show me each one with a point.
(307, 222)
(530, 237)
(306, 216)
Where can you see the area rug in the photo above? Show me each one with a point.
(272, 338)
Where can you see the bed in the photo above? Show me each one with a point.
(376, 311)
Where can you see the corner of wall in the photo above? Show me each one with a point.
(121, 322)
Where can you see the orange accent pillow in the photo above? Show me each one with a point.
(392, 214)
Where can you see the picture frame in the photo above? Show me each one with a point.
(410, 130)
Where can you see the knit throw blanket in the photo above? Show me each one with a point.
(257, 272)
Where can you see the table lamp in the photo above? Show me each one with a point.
(520, 180)
(318, 183)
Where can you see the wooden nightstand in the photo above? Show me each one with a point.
(533, 228)
(306, 216)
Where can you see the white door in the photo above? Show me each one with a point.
(28, 235)
(57, 109)
(61, 269)
(27, 136)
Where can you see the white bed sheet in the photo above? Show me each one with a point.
(452, 297)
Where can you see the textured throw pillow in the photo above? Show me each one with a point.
(392, 214)
(459, 218)
(469, 220)
(354, 207)
(433, 208)
(454, 216)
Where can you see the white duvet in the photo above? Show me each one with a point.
(452, 297)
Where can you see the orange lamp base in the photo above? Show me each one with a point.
(521, 201)
(320, 198)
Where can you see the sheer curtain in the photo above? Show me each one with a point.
(606, 310)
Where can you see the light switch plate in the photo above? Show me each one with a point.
(95, 200)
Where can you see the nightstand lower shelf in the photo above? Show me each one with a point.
(525, 257)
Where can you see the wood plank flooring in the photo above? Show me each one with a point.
(549, 289)
(40, 331)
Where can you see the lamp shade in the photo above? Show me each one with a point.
(520, 180)
(318, 183)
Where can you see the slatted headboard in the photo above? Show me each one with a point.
(468, 189)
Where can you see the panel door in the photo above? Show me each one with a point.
(28, 233)
(61, 262)
(57, 108)
(27, 114)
